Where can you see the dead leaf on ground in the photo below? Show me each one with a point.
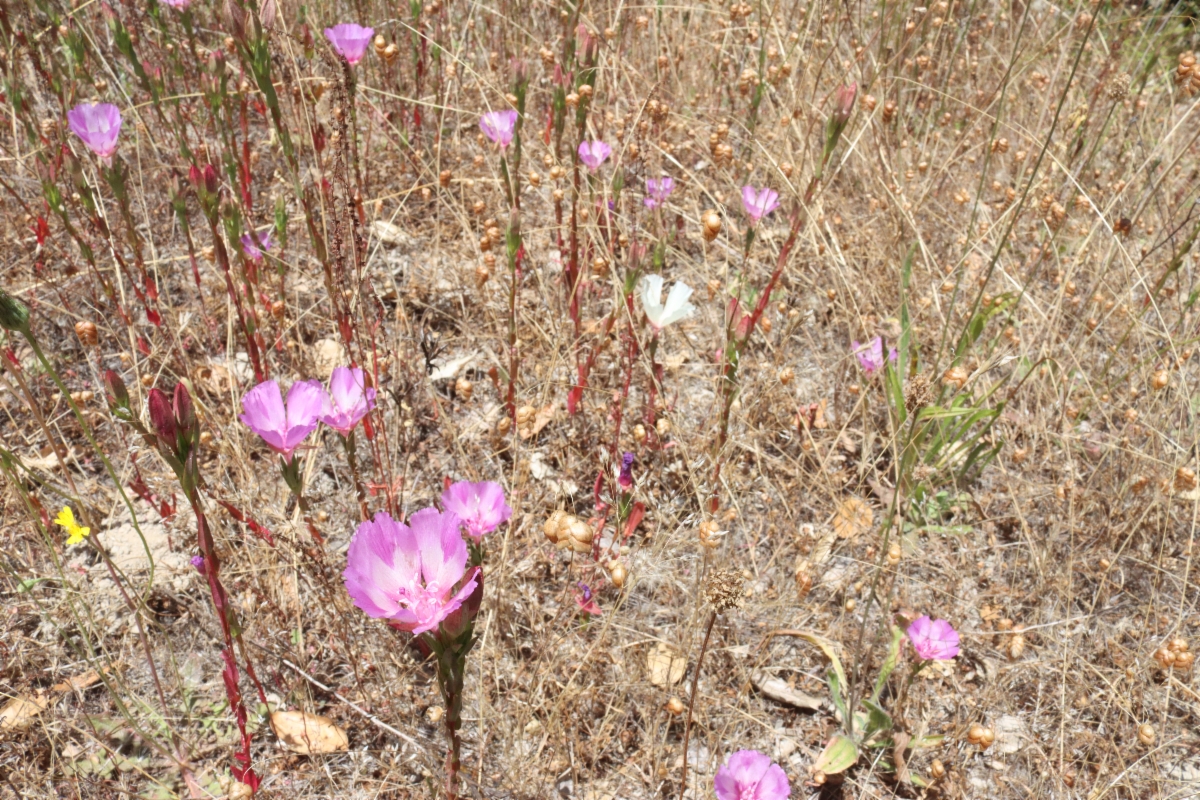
(214, 379)
(308, 734)
(666, 667)
(78, 683)
(540, 420)
(853, 516)
(778, 690)
(19, 712)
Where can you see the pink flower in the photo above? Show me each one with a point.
(933, 639)
(350, 40)
(480, 506)
(283, 429)
(759, 202)
(98, 126)
(750, 775)
(252, 250)
(177, 3)
(348, 401)
(408, 573)
(593, 154)
(657, 191)
(499, 126)
(870, 355)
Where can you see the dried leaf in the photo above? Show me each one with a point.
(18, 713)
(308, 734)
(778, 690)
(665, 666)
(78, 683)
(540, 420)
(853, 516)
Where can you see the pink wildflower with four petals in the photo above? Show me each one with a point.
(348, 401)
(480, 506)
(413, 575)
(933, 639)
(657, 191)
(750, 775)
(759, 202)
(870, 355)
(282, 427)
(499, 126)
(593, 154)
(350, 40)
(98, 126)
(255, 251)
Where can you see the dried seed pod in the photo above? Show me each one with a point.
(662, 427)
(553, 525)
(1145, 734)
(957, 376)
(639, 433)
(1016, 645)
(380, 46)
(579, 535)
(1185, 479)
(617, 574)
(87, 333)
(444, 178)
(525, 415)
(786, 375)
(889, 111)
(1160, 380)
(708, 534)
(503, 426)
(463, 389)
(712, 225)
(675, 706)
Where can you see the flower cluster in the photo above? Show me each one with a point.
(415, 575)
(284, 426)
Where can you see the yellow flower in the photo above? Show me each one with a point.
(66, 518)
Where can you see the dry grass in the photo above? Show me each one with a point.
(998, 149)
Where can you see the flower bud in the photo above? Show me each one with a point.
(14, 315)
(162, 417)
(118, 395)
(185, 412)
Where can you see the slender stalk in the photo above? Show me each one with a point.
(687, 726)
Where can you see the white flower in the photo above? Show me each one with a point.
(677, 306)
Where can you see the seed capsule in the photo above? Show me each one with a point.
(463, 389)
(87, 333)
(1146, 734)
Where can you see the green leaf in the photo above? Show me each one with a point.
(877, 719)
(889, 663)
(839, 755)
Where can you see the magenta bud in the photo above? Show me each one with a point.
(184, 411)
(118, 395)
(211, 180)
(844, 102)
(200, 565)
(162, 417)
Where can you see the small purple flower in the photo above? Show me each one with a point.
(198, 563)
(625, 480)
(480, 506)
(254, 251)
(499, 126)
(177, 3)
(98, 126)
(283, 428)
(933, 639)
(408, 573)
(870, 355)
(750, 775)
(350, 40)
(348, 401)
(593, 154)
(759, 202)
(657, 191)
(586, 602)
